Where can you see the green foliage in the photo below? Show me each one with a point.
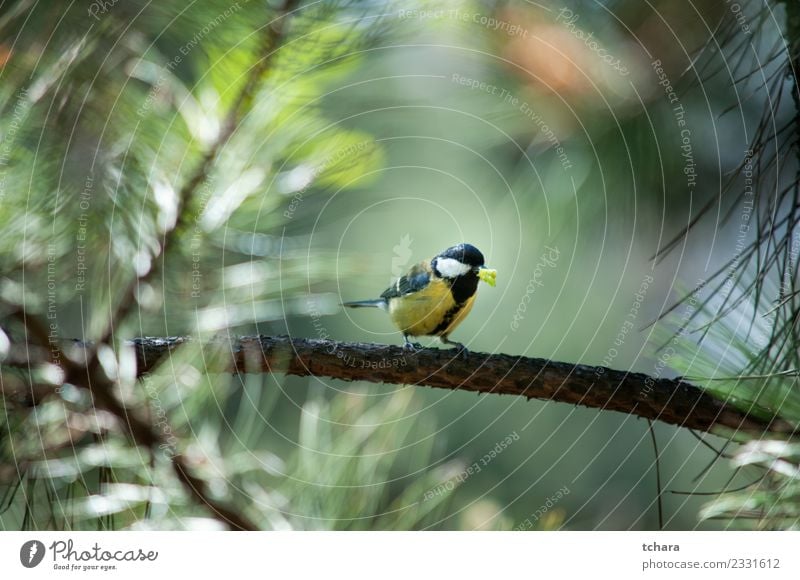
(771, 503)
(116, 135)
(733, 355)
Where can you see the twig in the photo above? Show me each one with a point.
(659, 489)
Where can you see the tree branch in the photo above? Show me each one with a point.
(670, 401)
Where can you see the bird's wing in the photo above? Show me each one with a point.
(413, 281)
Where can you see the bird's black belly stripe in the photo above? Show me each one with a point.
(463, 288)
(448, 318)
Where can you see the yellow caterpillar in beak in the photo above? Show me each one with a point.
(488, 275)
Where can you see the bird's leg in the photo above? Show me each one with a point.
(410, 346)
(463, 352)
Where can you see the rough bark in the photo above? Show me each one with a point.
(672, 401)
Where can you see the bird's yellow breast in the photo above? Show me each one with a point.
(431, 310)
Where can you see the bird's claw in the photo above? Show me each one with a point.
(459, 348)
(412, 347)
(463, 351)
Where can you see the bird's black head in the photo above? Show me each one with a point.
(464, 253)
(456, 261)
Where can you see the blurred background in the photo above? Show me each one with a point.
(233, 168)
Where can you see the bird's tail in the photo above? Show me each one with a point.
(377, 303)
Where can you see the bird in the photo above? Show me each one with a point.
(435, 295)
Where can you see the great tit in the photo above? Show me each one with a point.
(434, 296)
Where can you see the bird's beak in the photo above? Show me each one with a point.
(487, 275)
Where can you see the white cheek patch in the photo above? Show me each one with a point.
(450, 268)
